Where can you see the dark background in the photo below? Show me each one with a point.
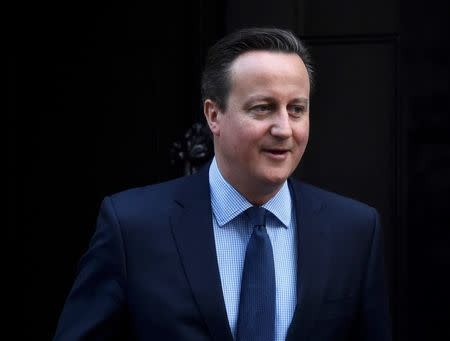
(99, 92)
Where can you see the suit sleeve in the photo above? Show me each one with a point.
(376, 323)
(94, 307)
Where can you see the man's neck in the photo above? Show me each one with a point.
(256, 198)
(258, 194)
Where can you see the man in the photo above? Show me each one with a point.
(238, 250)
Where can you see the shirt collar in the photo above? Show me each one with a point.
(227, 203)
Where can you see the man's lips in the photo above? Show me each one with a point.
(276, 153)
(276, 150)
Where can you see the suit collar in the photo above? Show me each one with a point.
(192, 229)
(312, 260)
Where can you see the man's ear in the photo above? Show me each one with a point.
(212, 114)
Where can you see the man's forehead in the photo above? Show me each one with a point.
(255, 58)
(266, 62)
(268, 98)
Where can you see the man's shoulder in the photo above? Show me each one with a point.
(153, 202)
(329, 198)
(348, 216)
(161, 191)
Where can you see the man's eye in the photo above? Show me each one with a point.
(297, 110)
(262, 108)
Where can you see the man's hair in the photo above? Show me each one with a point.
(216, 82)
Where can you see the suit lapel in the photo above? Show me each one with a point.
(312, 260)
(194, 236)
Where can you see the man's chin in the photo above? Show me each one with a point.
(274, 181)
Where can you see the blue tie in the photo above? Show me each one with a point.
(256, 319)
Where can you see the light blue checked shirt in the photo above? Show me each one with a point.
(232, 233)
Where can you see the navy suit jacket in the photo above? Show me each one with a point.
(151, 271)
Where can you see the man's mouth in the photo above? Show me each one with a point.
(276, 152)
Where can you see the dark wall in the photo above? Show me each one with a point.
(98, 93)
(425, 84)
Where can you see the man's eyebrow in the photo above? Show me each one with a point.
(260, 98)
(270, 98)
(301, 100)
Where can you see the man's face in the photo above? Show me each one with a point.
(261, 136)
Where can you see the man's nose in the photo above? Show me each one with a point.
(281, 126)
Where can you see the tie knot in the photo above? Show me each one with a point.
(257, 216)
